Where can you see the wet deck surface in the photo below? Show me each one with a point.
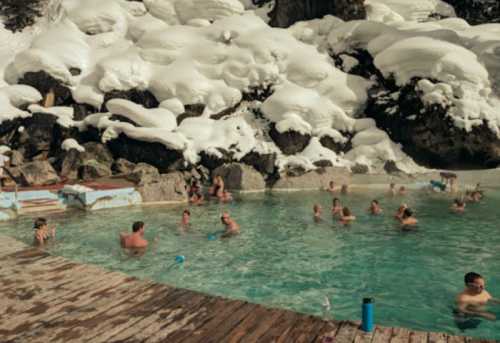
(44, 298)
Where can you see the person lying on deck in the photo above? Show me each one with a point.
(42, 231)
(134, 241)
(474, 297)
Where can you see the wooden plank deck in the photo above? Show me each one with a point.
(45, 298)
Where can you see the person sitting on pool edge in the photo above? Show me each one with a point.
(337, 207)
(42, 231)
(408, 219)
(317, 212)
(135, 240)
(231, 227)
(347, 216)
(402, 190)
(474, 297)
(458, 206)
(375, 208)
(392, 189)
(331, 187)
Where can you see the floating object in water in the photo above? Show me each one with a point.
(180, 258)
(214, 235)
(438, 184)
(367, 315)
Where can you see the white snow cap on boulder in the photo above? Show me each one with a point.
(146, 117)
(71, 143)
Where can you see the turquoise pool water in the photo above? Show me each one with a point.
(284, 259)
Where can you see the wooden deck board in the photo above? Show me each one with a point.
(50, 299)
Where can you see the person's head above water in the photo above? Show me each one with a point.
(474, 282)
(332, 184)
(138, 227)
(39, 223)
(459, 202)
(375, 202)
(317, 208)
(336, 202)
(346, 212)
(407, 213)
(186, 212)
(225, 218)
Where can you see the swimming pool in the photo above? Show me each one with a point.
(284, 259)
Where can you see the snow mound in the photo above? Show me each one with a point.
(71, 143)
(399, 10)
(155, 117)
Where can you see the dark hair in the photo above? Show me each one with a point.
(186, 211)
(459, 202)
(39, 222)
(346, 211)
(335, 199)
(471, 277)
(407, 213)
(375, 201)
(137, 226)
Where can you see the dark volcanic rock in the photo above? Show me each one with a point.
(390, 167)
(143, 173)
(240, 177)
(122, 166)
(289, 142)
(38, 173)
(359, 169)
(323, 163)
(37, 136)
(477, 11)
(427, 133)
(211, 161)
(45, 83)
(329, 143)
(191, 111)
(92, 169)
(265, 164)
(136, 151)
(288, 12)
(142, 97)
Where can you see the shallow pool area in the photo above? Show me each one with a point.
(282, 258)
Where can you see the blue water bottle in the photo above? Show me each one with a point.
(367, 314)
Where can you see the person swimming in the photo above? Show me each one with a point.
(135, 241)
(400, 212)
(458, 206)
(344, 189)
(337, 207)
(471, 301)
(375, 208)
(42, 232)
(231, 227)
(186, 216)
(347, 217)
(408, 218)
(317, 212)
(196, 199)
